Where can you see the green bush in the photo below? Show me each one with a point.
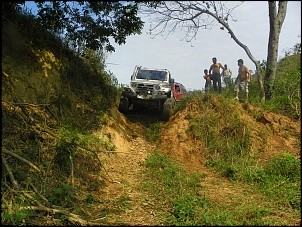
(284, 165)
(152, 133)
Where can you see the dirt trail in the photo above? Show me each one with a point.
(124, 203)
(124, 167)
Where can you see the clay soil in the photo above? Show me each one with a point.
(124, 168)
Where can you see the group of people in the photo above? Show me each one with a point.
(241, 82)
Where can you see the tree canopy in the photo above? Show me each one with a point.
(92, 24)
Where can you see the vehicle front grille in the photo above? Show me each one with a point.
(145, 88)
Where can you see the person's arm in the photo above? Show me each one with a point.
(210, 70)
(221, 66)
(248, 75)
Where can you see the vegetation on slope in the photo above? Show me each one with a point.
(53, 99)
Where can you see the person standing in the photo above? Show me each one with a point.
(207, 77)
(226, 74)
(215, 72)
(242, 81)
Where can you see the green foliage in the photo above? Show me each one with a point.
(286, 91)
(14, 218)
(90, 23)
(182, 102)
(296, 49)
(287, 88)
(223, 132)
(108, 146)
(84, 83)
(69, 142)
(152, 132)
(279, 179)
(176, 186)
(185, 198)
(158, 161)
(11, 214)
(186, 209)
(284, 165)
(65, 149)
(253, 174)
(62, 195)
(122, 202)
(90, 199)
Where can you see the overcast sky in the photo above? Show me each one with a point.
(186, 61)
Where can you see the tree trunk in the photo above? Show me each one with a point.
(276, 20)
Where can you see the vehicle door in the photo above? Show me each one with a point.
(177, 92)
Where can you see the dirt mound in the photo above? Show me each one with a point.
(271, 133)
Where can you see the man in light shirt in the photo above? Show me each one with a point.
(226, 74)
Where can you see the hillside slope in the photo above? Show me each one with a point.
(65, 163)
(127, 165)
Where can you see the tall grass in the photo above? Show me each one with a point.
(180, 198)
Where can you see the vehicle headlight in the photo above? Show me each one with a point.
(157, 87)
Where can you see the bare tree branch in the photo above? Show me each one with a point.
(10, 173)
(4, 150)
(190, 16)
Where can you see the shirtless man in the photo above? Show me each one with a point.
(215, 67)
(242, 81)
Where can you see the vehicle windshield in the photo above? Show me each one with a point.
(152, 75)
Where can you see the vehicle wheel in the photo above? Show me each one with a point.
(167, 107)
(134, 107)
(124, 105)
(165, 115)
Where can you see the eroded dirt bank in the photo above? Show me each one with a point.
(124, 167)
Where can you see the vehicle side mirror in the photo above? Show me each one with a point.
(171, 81)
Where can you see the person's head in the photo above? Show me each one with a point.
(214, 59)
(205, 71)
(225, 66)
(240, 62)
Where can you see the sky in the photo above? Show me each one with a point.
(187, 61)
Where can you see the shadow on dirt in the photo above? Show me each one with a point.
(143, 116)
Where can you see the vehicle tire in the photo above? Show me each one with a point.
(167, 107)
(165, 115)
(124, 105)
(134, 107)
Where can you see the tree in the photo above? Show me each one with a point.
(88, 23)
(191, 16)
(276, 20)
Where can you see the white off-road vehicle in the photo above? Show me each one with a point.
(149, 88)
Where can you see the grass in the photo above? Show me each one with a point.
(152, 132)
(186, 202)
(266, 194)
